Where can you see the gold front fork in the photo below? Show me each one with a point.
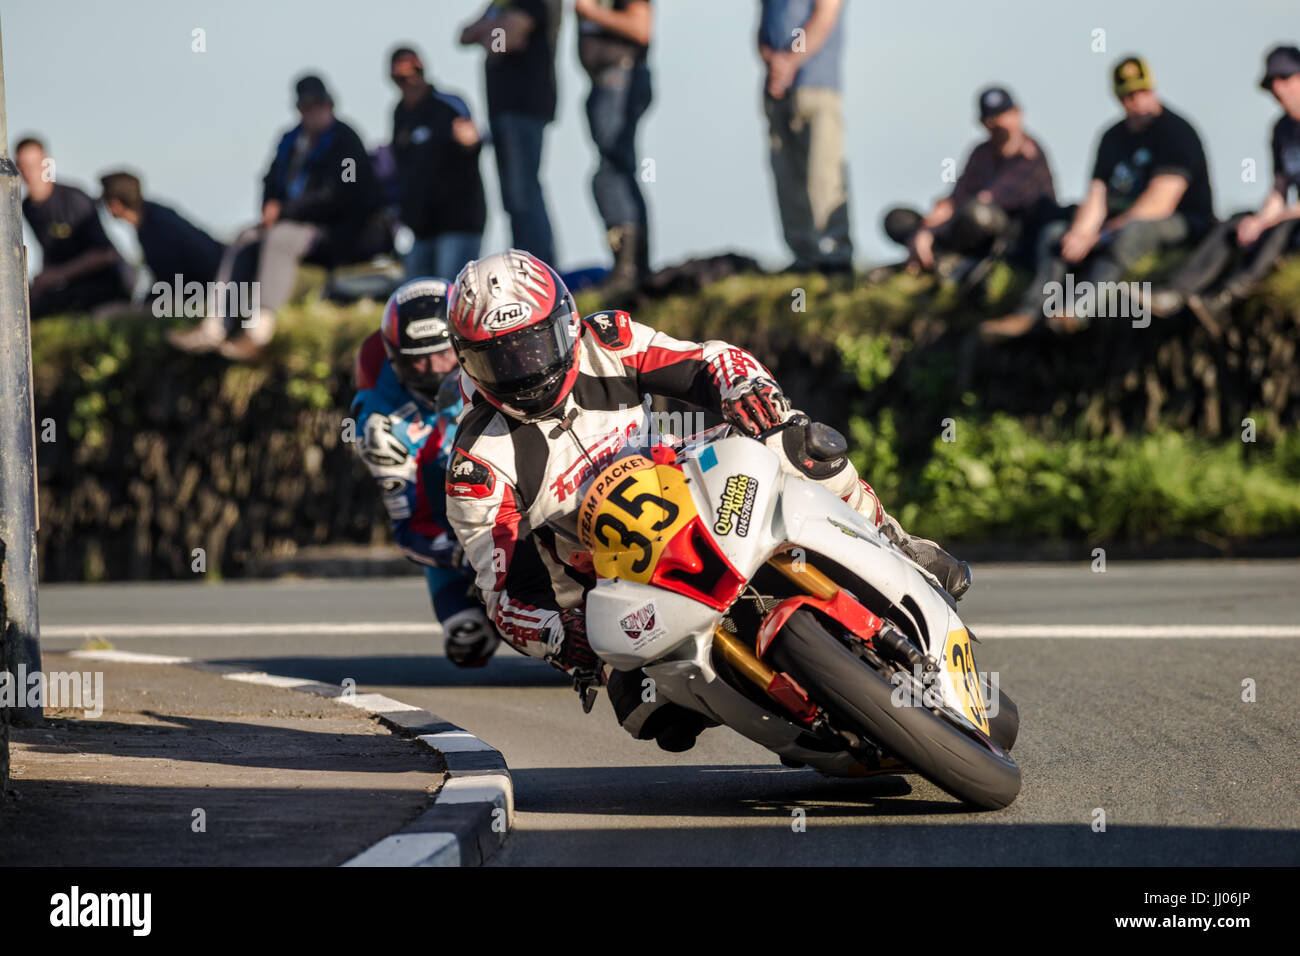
(805, 576)
(738, 654)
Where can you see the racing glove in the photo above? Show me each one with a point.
(573, 654)
(756, 407)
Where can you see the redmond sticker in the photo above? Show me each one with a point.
(639, 626)
(737, 505)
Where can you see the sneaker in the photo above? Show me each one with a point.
(1167, 302)
(1008, 327)
(204, 337)
(241, 348)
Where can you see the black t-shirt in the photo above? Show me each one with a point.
(66, 225)
(523, 81)
(1286, 154)
(173, 245)
(438, 179)
(1127, 161)
(599, 49)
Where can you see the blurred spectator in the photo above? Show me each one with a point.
(436, 149)
(520, 70)
(320, 202)
(1150, 190)
(1251, 241)
(1002, 196)
(80, 267)
(172, 245)
(613, 39)
(800, 42)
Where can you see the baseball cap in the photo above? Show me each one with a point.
(994, 101)
(311, 89)
(1282, 61)
(1132, 74)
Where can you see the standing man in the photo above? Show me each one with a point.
(80, 267)
(520, 71)
(436, 148)
(1150, 190)
(1252, 242)
(613, 38)
(800, 42)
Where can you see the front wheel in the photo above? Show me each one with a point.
(861, 697)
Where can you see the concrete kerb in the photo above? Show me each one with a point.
(472, 812)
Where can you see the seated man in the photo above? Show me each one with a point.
(406, 409)
(1251, 241)
(80, 266)
(1150, 190)
(553, 399)
(320, 202)
(1001, 199)
(172, 245)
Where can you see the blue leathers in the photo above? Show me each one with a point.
(406, 445)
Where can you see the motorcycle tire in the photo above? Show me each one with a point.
(861, 697)
(1005, 727)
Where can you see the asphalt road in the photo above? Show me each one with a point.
(1147, 725)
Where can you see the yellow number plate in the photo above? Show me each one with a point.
(633, 509)
(959, 660)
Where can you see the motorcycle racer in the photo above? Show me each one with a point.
(406, 408)
(553, 398)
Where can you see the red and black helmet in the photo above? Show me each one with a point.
(417, 338)
(517, 332)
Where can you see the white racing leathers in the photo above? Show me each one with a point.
(513, 487)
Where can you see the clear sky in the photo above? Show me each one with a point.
(116, 83)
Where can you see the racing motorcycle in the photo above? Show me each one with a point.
(763, 602)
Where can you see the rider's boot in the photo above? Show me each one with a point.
(819, 452)
(952, 573)
(673, 727)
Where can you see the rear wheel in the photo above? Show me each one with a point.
(862, 699)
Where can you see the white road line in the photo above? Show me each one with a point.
(130, 657)
(268, 680)
(1220, 631)
(375, 703)
(193, 629)
(358, 628)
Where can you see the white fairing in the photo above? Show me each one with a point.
(633, 625)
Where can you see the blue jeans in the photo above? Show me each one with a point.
(517, 143)
(441, 256)
(619, 97)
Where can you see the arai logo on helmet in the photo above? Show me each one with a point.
(426, 328)
(506, 317)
